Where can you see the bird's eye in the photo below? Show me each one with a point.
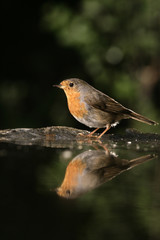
(68, 192)
(71, 84)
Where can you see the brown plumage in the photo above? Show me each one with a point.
(92, 168)
(94, 108)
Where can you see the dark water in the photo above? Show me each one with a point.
(83, 192)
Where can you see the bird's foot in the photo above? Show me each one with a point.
(87, 135)
(88, 138)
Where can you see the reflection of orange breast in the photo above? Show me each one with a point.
(76, 107)
(73, 172)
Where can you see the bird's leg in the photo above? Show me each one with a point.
(107, 128)
(105, 148)
(90, 134)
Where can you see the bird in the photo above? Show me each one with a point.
(95, 109)
(92, 168)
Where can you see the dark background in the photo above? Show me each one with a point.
(114, 46)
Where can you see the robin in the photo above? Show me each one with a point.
(94, 108)
(92, 168)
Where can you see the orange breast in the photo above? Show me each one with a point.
(76, 107)
(73, 172)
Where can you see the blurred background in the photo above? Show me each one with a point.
(113, 45)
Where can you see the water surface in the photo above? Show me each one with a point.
(85, 191)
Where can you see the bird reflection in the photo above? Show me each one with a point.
(92, 168)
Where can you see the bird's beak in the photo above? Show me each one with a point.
(58, 86)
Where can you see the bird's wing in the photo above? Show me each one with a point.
(105, 103)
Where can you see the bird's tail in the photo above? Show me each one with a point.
(141, 118)
(142, 159)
